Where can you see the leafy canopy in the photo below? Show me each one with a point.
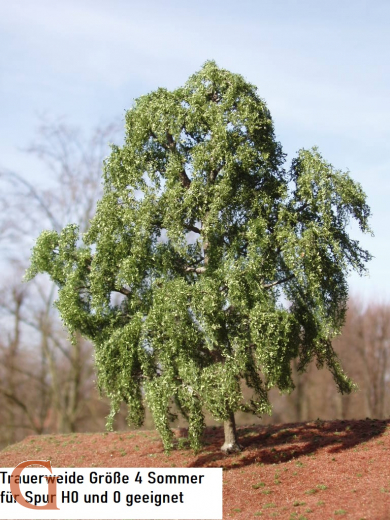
(227, 266)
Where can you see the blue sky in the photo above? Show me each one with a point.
(323, 68)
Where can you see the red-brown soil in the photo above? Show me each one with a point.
(316, 470)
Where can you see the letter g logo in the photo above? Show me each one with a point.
(52, 483)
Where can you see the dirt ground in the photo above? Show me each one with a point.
(316, 470)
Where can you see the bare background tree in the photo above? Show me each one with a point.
(47, 384)
(369, 336)
(364, 349)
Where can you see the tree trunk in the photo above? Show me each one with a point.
(231, 444)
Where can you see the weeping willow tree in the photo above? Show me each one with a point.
(228, 267)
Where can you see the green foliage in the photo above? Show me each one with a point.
(227, 266)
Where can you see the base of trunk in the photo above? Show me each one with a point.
(231, 444)
(232, 447)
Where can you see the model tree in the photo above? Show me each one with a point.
(228, 266)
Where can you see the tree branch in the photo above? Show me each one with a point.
(21, 405)
(172, 147)
(37, 196)
(195, 229)
(230, 309)
(184, 179)
(214, 173)
(268, 285)
(197, 270)
(123, 290)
